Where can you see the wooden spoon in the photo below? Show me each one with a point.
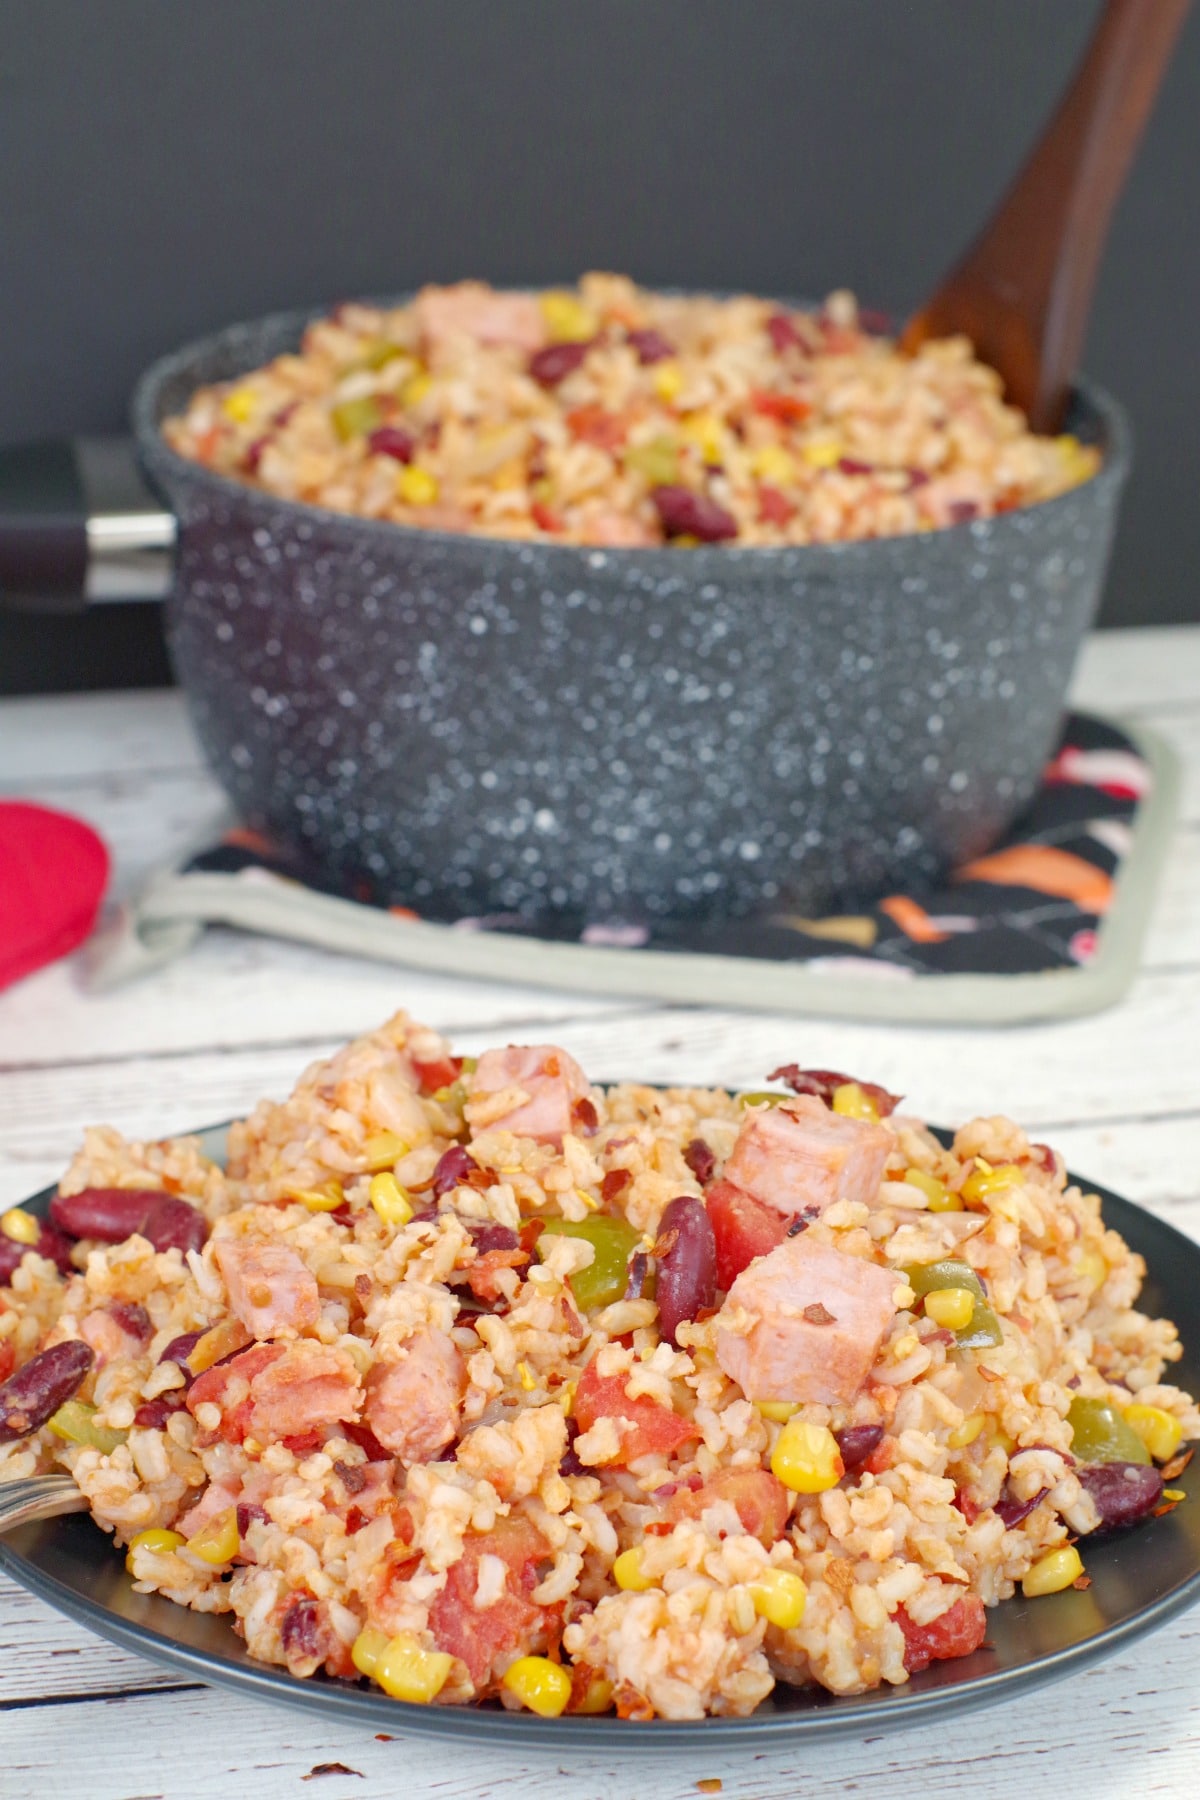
(1023, 291)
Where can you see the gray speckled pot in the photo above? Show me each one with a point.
(478, 726)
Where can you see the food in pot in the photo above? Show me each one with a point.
(483, 1382)
(609, 414)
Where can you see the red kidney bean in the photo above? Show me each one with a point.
(486, 1236)
(1012, 1511)
(962, 510)
(114, 1214)
(300, 1627)
(35, 1392)
(556, 362)
(152, 1415)
(1123, 1492)
(701, 1160)
(687, 1271)
(451, 1170)
(851, 465)
(686, 514)
(783, 334)
(51, 1243)
(247, 1512)
(651, 346)
(569, 1463)
(857, 1443)
(134, 1320)
(823, 1083)
(393, 441)
(365, 1438)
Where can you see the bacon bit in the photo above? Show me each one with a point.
(596, 425)
(481, 1276)
(968, 1507)
(1177, 1464)
(632, 1705)
(615, 1182)
(840, 1576)
(816, 1314)
(701, 1160)
(531, 1230)
(586, 1117)
(351, 1477)
(823, 1083)
(571, 1319)
(1082, 1581)
(803, 1220)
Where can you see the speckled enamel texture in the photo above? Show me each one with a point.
(473, 726)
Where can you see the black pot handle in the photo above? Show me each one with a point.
(78, 526)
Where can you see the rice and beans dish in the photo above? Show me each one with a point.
(609, 414)
(474, 1380)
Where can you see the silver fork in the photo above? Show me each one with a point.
(38, 1497)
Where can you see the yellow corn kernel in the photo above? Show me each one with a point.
(952, 1309)
(20, 1226)
(822, 453)
(778, 1411)
(806, 1458)
(390, 1200)
(156, 1539)
(774, 463)
(999, 1438)
(568, 321)
(407, 1672)
(969, 1430)
(704, 431)
(322, 1199)
(667, 380)
(416, 486)
(780, 1597)
(627, 1571)
(984, 1180)
(1093, 1268)
(218, 1541)
(1159, 1431)
(1053, 1572)
(745, 1100)
(240, 405)
(853, 1102)
(415, 389)
(525, 1375)
(597, 1697)
(367, 1648)
(541, 1685)
(222, 1340)
(566, 1398)
(383, 1149)
(936, 1192)
(1174, 1494)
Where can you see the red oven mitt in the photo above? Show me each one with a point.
(53, 872)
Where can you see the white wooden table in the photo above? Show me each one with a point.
(1120, 1093)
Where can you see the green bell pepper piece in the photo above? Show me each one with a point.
(613, 1242)
(1100, 1435)
(75, 1422)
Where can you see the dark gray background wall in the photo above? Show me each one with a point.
(165, 169)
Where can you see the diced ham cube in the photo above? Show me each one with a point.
(310, 1386)
(805, 1323)
(270, 1288)
(803, 1155)
(413, 1399)
(472, 310)
(551, 1080)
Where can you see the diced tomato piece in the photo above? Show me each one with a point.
(958, 1631)
(479, 1635)
(761, 1501)
(545, 517)
(774, 508)
(788, 408)
(648, 1426)
(743, 1227)
(437, 1074)
(8, 1358)
(595, 425)
(227, 1385)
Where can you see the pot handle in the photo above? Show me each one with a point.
(78, 525)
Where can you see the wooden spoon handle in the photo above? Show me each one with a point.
(1023, 291)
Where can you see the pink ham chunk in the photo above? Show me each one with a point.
(802, 1155)
(472, 310)
(413, 1399)
(310, 1386)
(805, 1323)
(271, 1289)
(551, 1081)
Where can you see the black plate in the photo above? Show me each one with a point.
(1139, 1581)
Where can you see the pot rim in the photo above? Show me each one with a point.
(146, 413)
